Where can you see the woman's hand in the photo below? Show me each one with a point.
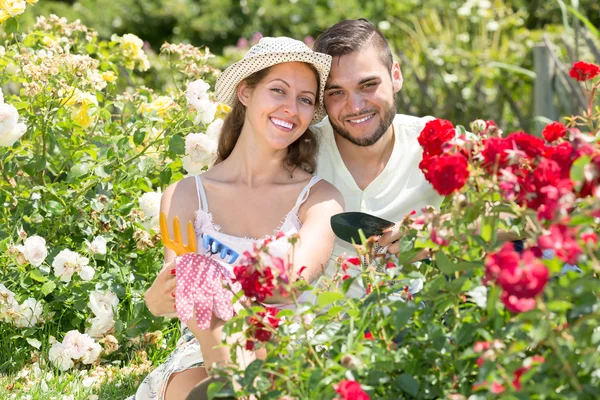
(160, 297)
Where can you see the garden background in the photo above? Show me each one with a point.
(107, 124)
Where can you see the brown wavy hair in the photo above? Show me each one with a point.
(301, 154)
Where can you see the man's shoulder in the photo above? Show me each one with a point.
(411, 122)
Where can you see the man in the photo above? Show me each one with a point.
(370, 153)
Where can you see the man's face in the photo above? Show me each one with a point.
(359, 96)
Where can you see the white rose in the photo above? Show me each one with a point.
(98, 245)
(7, 139)
(29, 313)
(9, 117)
(192, 167)
(103, 304)
(200, 147)
(8, 304)
(92, 353)
(206, 112)
(60, 356)
(151, 224)
(150, 204)
(100, 326)
(67, 262)
(87, 273)
(214, 129)
(78, 343)
(35, 250)
(197, 93)
(479, 296)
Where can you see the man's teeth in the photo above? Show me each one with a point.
(279, 122)
(358, 121)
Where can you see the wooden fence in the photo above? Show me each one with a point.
(556, 94)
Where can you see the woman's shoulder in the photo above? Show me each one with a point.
(323, 191)
(183, 193)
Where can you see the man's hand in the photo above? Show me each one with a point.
(160, 297)
(391, 237)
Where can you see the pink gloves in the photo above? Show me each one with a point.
(204, 286)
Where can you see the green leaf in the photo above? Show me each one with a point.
(444, 264)
(486, 230)
(512, 68)
(251, 372)
(577, 170)
(54, 207)
(139, 136)
(403, 314)
(177, 145)
(48, 288)
(327, 298)
(37, 275)
(165, 176)
(559, 305)
(408, 384)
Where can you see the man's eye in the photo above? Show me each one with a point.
(334, 93)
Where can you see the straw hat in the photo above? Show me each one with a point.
(271, 51)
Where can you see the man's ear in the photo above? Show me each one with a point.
(243, 93)
(397, 79)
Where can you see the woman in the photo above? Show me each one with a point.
(261, 184)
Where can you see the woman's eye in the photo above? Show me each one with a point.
(306, 100)
(277, 90)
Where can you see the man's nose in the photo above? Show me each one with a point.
(355, 103)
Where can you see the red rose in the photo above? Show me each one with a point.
(496, 388)
(369, 336)
(350, 390)
(562, 241)
(564, 155)
(506, 258)
(532, 146)
(255, 281)
(583, 71)
(258, 324)
(526, 281)
(554, 131)
(434, 135)
(447, 173)
(494, 151)
(517, 304)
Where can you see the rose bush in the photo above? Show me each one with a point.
(86, 150)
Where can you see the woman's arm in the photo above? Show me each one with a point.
(179, 200)
(313, 249)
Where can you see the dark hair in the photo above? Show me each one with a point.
(301, 154)
(349, 36)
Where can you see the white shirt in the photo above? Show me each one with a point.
(399, 189)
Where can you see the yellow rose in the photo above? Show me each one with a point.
(82, 104)
(222, 110)
(32, 1)
(82, 115)
(132, 45)
(11, 8)
(161, 105)
(109, 76)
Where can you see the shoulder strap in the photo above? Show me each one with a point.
(201, 194)
(305, 193)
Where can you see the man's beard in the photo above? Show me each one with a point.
(385, 123)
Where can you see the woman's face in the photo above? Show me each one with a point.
(280, 108)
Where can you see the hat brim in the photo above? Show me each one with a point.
(226, 87)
